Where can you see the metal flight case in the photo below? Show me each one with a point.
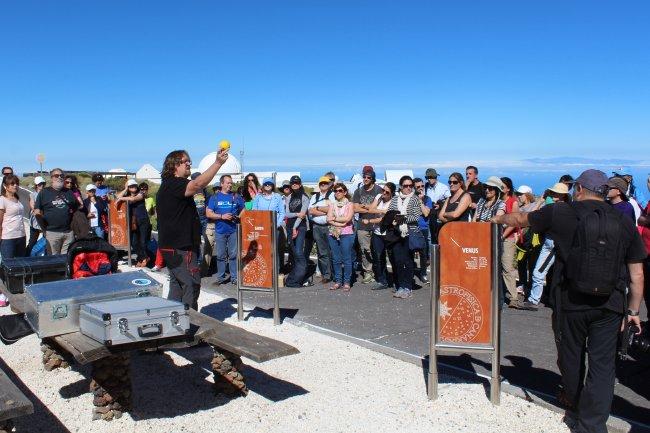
(19, 272)
(132, 320)
(53, 308)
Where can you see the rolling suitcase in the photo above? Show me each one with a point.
(53, 308)
(132, 320)
(19, 272)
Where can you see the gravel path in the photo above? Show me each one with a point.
(331, 386)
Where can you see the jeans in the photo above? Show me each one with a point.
(539, 276)
(424, 254)
(10, 248)
(184, 276)
(226, 246)
(342, 257)
(58, 242)
(98, 231)
(299, 268)
(403, 264)
(380, 250)
(321, 235)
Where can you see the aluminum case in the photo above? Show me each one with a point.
(133, 320)
(53, 308)
(18, 272)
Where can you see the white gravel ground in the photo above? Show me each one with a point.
(331, 386)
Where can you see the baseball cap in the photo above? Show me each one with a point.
(620, 184)
(294, 179)
(431, 172)
(593, 180)
(324, 179)
(285, 183)
(91, 187)
(132, 182)
(268, 181)
(38, 180)
(524, 189)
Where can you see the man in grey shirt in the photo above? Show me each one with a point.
(362, 199)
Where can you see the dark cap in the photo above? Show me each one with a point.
(295, 179)
(367, 169)
(593, 180)
(620, 184)
(195, 175)
(431, 172)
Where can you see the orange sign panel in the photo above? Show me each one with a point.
(257, 248)
(118, 219)
(465, 308)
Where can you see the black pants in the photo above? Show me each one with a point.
(646, 283)
(404, 265)
(596, 332)
(140, 238)
(33, 238)
(184, 276)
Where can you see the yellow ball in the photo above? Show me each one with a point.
(224, 144)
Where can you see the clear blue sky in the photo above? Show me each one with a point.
(98, 84)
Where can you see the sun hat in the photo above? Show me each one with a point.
(91, 187)
(495, 182)
(38, 180)
(324, 179)
(431, 172)
(132, 182)
(620, 184)
(593, 180)
(559, 188)
(524, 189)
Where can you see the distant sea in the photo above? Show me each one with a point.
(538, 177)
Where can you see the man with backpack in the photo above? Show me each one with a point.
(318, 208)
(599, 253)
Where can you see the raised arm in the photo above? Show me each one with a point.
(197, 185)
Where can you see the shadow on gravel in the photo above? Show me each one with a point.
(42, 419)
(226, 308)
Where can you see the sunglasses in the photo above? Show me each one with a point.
(431, 177)
(419, 186)
(68, 181)
(339, 190)
(7, 173)
(407, 185)
(367, 177)
(386, 192)
(453, 182)
(186, 161)
(490, 188)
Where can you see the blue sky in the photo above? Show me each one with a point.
(99, 84)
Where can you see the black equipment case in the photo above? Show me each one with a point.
(19, 272)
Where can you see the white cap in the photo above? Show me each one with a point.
(38, 180)
(132, 182)
(91, 187)
(524, 189)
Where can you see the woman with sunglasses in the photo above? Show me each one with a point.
(71, 183)
(491, 205)
(140, 225)
(12, 228)
(409, 208)
(341, 236)
(379, 248)
(250, 189)
(297, 206)
(457, 206)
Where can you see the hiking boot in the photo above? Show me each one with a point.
(368, 278)
(528, 306)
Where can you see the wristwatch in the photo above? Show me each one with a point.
(632, 312)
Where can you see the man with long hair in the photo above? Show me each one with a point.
(179, 228)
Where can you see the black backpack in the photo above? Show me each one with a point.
(593, 266)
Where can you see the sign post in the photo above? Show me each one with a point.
(119, 227)
(257, 261)
(465, 310)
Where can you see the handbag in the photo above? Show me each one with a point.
(416, 240)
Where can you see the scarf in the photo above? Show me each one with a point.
(334, 230)
(403, 201)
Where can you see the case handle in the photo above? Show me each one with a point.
(150, 330)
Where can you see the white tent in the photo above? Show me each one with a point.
(232, 166)
(148, 172)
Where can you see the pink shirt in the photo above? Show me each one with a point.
(340, 213)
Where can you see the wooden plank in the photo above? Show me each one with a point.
(238, 340)
(13, 402)
(82, 348)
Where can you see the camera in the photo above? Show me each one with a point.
(630, 339)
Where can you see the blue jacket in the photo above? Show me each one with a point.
(273, 202)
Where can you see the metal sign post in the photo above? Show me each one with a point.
(257, 259)
(465, 310)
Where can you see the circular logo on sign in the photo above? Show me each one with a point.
(141, 282)
(461, 314)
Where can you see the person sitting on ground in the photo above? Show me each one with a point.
(457, 205)
(341, 236)
(617, 197)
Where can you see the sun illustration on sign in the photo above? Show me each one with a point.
(444, 310)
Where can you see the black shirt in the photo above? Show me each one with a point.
(560, 221)
(178, 222)
(476, 192)
(57, 208)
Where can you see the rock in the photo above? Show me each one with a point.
(102, 409)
